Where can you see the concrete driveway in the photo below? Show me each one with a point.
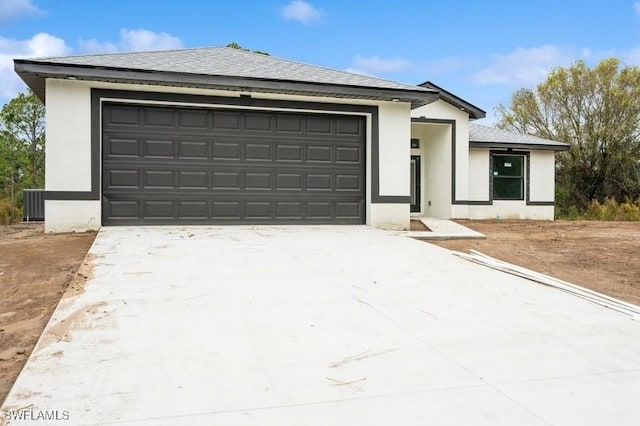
(320, 326)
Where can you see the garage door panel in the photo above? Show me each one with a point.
(319, 210)
(158, 179)
(258, 181)
(195, 165)
(289, 181)
(193, 180)
(159, 149)
(288, 210)
(319, 154)
(349, 209)
(227, 209)
(348, 154)
(349, 183)
(258, 122)
(120, 147)
(230, 180)
(193, 210)
(228, 120)
(321, 125)
(319, 182)
(122, 116)
(122, 209)
(159, 117)
(258, 210)
(193, 150)
(123, 179)
(226, 151)
(289, 153)
(349, 126)
(289, 123)
(158, 209)
(194, 119)
(258, 152)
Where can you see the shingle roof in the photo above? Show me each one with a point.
(491, 137)
(213, 65)
(228, 62)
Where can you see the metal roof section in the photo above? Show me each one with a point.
(221, 68)
(474, 112)
(490, 137)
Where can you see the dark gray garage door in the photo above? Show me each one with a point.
(167, 165)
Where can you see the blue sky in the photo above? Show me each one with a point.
(480, 50)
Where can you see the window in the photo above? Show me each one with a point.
(508, 177)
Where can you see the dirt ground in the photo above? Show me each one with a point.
(602, 256)
(35, 269)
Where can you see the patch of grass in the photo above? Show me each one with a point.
(9, 214)
(609, 209)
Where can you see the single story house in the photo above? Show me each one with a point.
(224, 136)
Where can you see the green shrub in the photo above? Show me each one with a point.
(570, 213)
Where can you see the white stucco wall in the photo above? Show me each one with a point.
(394, 168)
(389, 216)
(72, 216)
(510, 210)
(541, 188)
(68, 147)
(394, 136)
(542, 182)
(68, 155)
(479, 178)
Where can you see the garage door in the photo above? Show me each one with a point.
(167, 165)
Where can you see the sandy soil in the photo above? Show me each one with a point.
(35, 269)
(602, 256)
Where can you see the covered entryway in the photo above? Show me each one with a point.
(183, 165)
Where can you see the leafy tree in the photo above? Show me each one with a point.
(597, 112)
(235, 45)
(22, 138)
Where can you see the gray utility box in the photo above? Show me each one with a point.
(33, 205)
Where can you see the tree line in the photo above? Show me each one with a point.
(597, 112)
(22, 139)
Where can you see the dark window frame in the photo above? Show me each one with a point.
(523, 178)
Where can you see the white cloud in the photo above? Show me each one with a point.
(43, 44)
(139, 40)
(132, 41)
(438, 67)
(301, 11)
(95, 46)
(357, 71)
(39, 45)
(372, 65)
(630, 57)
(525, 66)
(11, 10)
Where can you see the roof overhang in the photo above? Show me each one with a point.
(523, 146)
(474, 112)
(35, 73)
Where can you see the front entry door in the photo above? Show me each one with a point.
(415, 184)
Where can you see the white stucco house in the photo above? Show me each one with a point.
(224, 136)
